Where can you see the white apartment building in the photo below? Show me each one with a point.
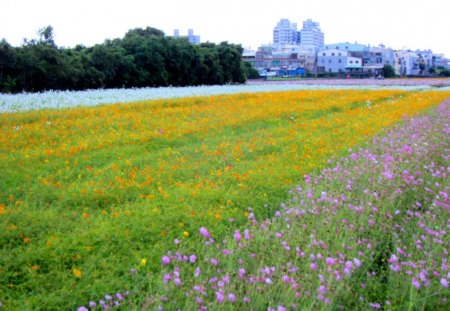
(285, 32)
(311, 35)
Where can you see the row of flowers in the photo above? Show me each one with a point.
(70, 99)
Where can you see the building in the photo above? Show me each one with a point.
(311, 35)
(405, 63)
(333, 61)
(194, 39)
(285, 33)
(373, 59)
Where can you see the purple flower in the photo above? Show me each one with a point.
(197, 272)
(237, 236)
(247, 234)
(330, 261)
(313, 266)
(241, 273)
(281, 308)
(92, 304)
(82, 308)
(357, 262)
(177, 281)
(444, 282)
(231, 297)
(393, 259)
(226, 252)
(119, 296)
(165, 260)
(219, 297)
(214, 261)
(415, 283)
(388, 175)
(205, 233)
(375, 305)
(192, 259)
(167, 277)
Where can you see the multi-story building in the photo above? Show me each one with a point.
(285, 32)
(333, 61)
(311, 35)
(407, 63)
(194, 39)
(286, 60)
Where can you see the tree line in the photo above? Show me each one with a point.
(142, 58)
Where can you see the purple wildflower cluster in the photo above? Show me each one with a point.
(107, 303)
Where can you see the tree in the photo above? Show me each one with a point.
(8, 58)
(143, 57)
(445, 73)
(46, 35)
(250, 71)
(421, 66)
(388, 71)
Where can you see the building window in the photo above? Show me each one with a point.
(351, 62)
(332, 54)
(339, 54)
(357, 61)
(346, 47)
(323, 54)
(337, 48)
(340, 61)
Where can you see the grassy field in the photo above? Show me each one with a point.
(92, 198)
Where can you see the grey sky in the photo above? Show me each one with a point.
(396, 23)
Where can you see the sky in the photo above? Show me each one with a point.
(397, 24)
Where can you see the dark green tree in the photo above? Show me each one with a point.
(8, 74)
(388, 71)
(143, 57)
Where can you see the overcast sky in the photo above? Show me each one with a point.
(396, 23)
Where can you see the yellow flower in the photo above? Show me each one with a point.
(76, 273)
(186, 234)
(143, 262)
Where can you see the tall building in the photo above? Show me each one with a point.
(285, 32)
(311, 34)
(191, 37)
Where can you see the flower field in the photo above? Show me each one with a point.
(152, 204)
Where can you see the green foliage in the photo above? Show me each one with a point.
(143, 57)
(388, 71)
(445, 73)
(250, 71)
